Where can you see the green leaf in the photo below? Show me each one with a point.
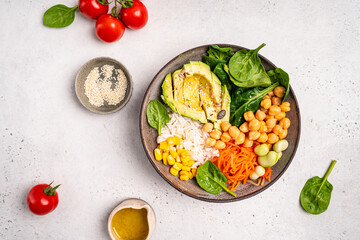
(246, 70)
(211, 179)
(217, 55)
(157, 115)
(222, 75)
(244, 100)
(316, 193)
(59, 16)
(280, 76)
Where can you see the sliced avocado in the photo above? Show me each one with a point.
(186, 97)
(167, 92)
(226, 100)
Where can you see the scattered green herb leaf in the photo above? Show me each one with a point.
(316, 194)
(211, 179)
(279, 75)
(157, 115)
(59, 16)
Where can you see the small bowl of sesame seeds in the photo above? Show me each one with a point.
(103, 85)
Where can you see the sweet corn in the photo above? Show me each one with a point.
(173, 153)
(184, 173)
(184, 177)
(191, 162)
(184, 153)
(193, 171)
(157, 153)
(178, 159)
(190, 175)
(165, 155)
(173, 171)
(170, 141)
(177, 166)
(186, 168)
(170, 160)
(179, 151)
(164, 146)
(177, 140)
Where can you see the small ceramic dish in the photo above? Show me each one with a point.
(136, 204)
(81, 78)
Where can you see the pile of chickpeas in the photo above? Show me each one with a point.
(268, 125)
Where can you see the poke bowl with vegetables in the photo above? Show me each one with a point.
(220, 122)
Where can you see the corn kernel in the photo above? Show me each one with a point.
(177, 140)
(186, 168)
(164, 146)
(157, 153)
(178, 159)
(185, 153)
(173, 153)
(179, 151)
(184, 172)
(191, 162)
(193, 171)
(165, 155)
(170, 160)
(177, 166)
(184, 177)
(190, 175)
(170, 141)
(173, 171)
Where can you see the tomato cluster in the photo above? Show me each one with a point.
(109, 27)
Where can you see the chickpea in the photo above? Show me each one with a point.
(240, 139)
(269, 117)
(279, 91)
(276, 101)
(254, 125)
(225, 137)
(247, 143)
(280, 116)
(270, 123)
(260, 115)
(220, 144)
(263, 110)
(267, 97)
(210, 142)
(208, 127)
(285, 106)
(271, 93)
(249, 116)
(272, 138)
(263, 127)
(215, 134)
(253, 135)
(273, 110)
(234, 132)
(263, 138)
(244, 127)
(277, 130)
(283, 134)
(265, 103)
(225, 125)
(269, 130)
(285, 123)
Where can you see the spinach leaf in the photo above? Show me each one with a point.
(157, 115)
(245, 69)
(211, 179)
(316, 194)
(217, 55)
(59, 16)
(279, 75)
(244, 101)
(222, 75)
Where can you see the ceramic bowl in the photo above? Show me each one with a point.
(136, 204)
(190, 187)
(80, 89)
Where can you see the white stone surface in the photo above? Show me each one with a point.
(45, 134)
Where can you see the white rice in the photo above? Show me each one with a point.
(193, 138)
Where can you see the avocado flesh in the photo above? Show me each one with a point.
(167, 90)
(226, 100)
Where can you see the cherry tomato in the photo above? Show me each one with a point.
(92, 8)
(42, 199)
(109, 29)
(135, 17)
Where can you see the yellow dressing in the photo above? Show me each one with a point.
(130, 224)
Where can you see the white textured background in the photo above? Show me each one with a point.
(45, 134)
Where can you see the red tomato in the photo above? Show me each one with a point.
(135, 17)
(92, 9)
(109, 29)
(42, 199)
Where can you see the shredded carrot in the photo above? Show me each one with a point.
(238, 163)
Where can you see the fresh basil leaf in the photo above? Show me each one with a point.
(316, 194)
(246, 70)
(243, 101)
(157, 115)
(280, 76)
(59, 16)
(211, 179)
